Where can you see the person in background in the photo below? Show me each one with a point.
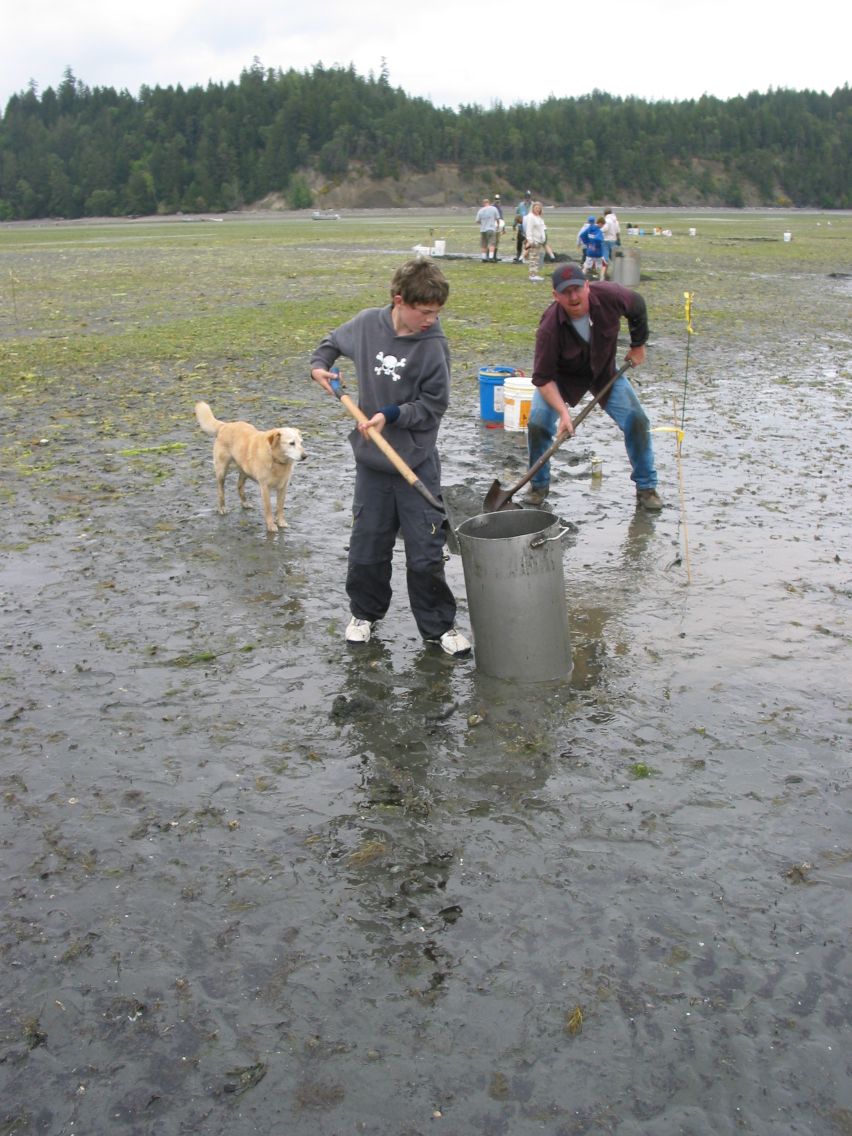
(535, 234)
(611, 236)
(402, 363)
(575, 348)
(521, 211)
(501, 224)
(593, 240)
(581, 237)
(487, 219)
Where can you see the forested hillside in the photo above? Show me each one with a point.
(76, 151)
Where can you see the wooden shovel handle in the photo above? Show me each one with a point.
(387, 449)
(497, 497)
(587, 409)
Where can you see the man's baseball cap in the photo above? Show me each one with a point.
(528, 193)
(567, 276)
(591, 218)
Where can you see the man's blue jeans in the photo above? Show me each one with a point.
(624, 409)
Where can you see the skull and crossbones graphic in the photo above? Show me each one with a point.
(389, 365)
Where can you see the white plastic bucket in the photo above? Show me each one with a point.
(517, 402)
(440, 248)
(788, 236)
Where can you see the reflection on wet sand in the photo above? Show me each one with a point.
(596, 607)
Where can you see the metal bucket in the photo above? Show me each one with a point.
(626, 268)
(515, 585)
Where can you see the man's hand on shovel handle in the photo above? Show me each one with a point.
(566, 426)
(553, 397)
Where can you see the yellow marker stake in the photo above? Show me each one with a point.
(682, 499)
(679, 434)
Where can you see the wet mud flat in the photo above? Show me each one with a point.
(257, 882)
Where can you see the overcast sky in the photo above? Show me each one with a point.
(447, 51)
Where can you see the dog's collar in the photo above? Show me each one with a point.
(278, 461)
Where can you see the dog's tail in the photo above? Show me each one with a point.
(206, 421)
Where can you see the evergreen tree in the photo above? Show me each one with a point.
(75, 150)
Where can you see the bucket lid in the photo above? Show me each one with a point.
(495, 371)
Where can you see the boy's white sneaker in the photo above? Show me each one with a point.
(358, 630)
(452, 642)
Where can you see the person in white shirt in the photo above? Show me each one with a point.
(535, 235)
(612, 236)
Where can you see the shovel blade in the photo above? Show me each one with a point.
(498, 498)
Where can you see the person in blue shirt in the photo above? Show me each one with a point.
(581, 236)
(593, 242)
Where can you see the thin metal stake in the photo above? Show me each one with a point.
(679, 431)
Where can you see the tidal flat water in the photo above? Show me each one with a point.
(255, 881)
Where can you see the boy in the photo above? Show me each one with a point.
(402, 363)
(593, 240)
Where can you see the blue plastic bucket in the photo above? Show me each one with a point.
(491, 381)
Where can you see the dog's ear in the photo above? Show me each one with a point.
(273, 438)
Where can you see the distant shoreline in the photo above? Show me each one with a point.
(252, 214)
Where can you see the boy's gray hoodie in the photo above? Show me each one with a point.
(408, 371)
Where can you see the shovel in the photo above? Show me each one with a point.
(497, 498)
(386, 448)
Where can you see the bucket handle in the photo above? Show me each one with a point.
(540, 540)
